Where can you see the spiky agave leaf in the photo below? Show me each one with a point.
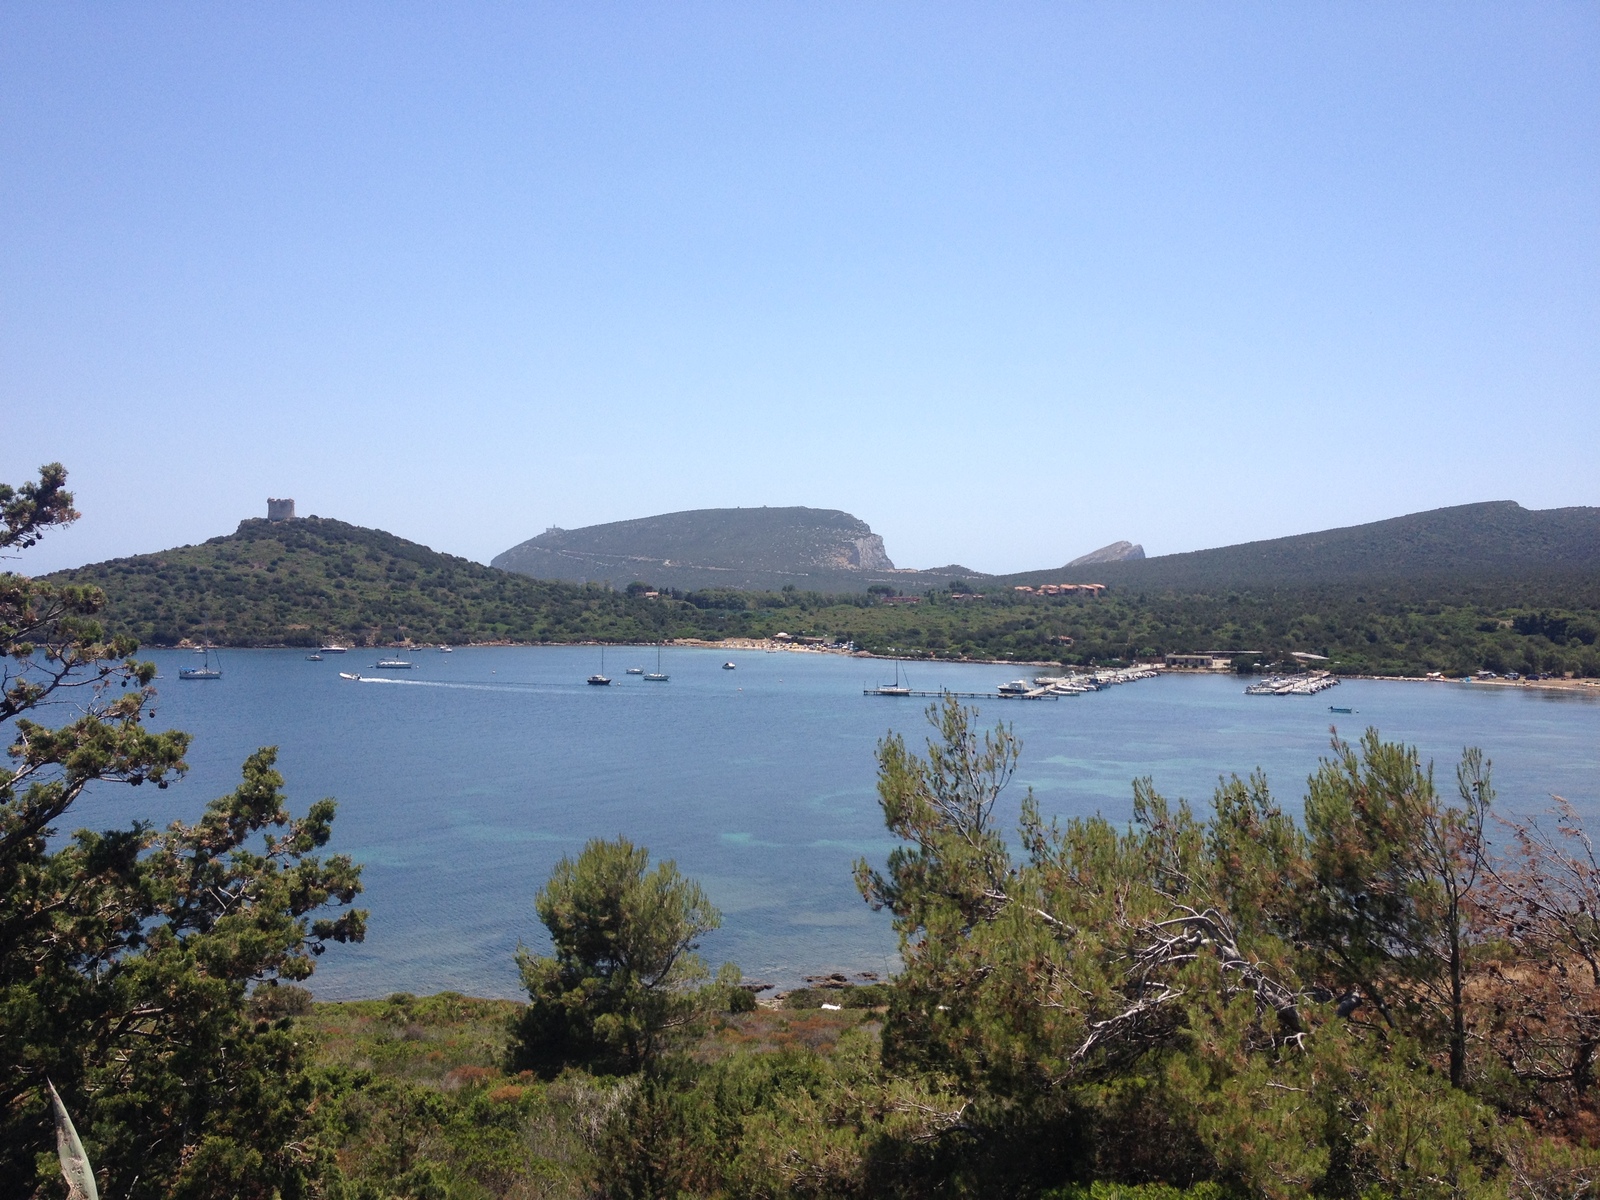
(74, 1162)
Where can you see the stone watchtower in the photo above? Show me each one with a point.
(280, 510)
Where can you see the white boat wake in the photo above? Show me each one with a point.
(468, 687)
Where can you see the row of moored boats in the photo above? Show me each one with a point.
(1292, 685)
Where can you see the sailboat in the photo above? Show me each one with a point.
(599, 678)
(891, 689)
(656, 676)
(205, 670)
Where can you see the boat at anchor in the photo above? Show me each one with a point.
(657, 676)
(600, 678)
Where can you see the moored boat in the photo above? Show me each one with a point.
(658, 675)
(891, 689)
(205, 671)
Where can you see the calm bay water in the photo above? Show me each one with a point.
(460, 784)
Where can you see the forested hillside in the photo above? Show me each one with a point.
(1499, 540)
(297, 583)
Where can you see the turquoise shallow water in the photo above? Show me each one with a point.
(460, 784)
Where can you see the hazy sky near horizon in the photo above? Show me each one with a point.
(1007, 281)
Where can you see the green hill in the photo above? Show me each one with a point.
(300, 582)
(754, 549)
(1494, 540)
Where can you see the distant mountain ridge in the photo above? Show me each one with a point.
(1115, 552)
(1493, 539)
(750, 549)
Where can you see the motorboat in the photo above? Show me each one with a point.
(447, 649)
(635, 670)
(394, 664)
(1017, 687)
(330, 648)
(350, 675)
(313, 658)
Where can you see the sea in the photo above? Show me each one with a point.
(462, 782)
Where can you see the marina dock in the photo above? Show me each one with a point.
(1034, 694)
(1291, 685)
(1045, 687)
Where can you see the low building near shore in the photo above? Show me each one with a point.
(1206, 660)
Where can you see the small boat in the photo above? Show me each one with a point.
(313, 658)
(728, 666)
(635, 670)
(656, 676)
(1017, 687)
(330, 648)
(599, 678)
(393, 664)
(891, 689)
(447, 649)
(202, 672)
(1331, 708)
(350, 675)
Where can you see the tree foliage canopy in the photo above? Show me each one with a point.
(624, 965)
(1297, 1008)
(127, 955)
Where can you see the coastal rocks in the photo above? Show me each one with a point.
(828, 981)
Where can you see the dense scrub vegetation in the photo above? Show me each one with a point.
(1364, 1002)
(300, 582)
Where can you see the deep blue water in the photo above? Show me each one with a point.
(461, 784)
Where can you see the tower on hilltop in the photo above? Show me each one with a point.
(280, 510)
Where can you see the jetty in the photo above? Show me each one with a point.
(1045, 687)
(1293, 685)
(1032, 694)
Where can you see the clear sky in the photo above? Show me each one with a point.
(1008, 281)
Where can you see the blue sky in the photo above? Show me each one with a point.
(1007, 281)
